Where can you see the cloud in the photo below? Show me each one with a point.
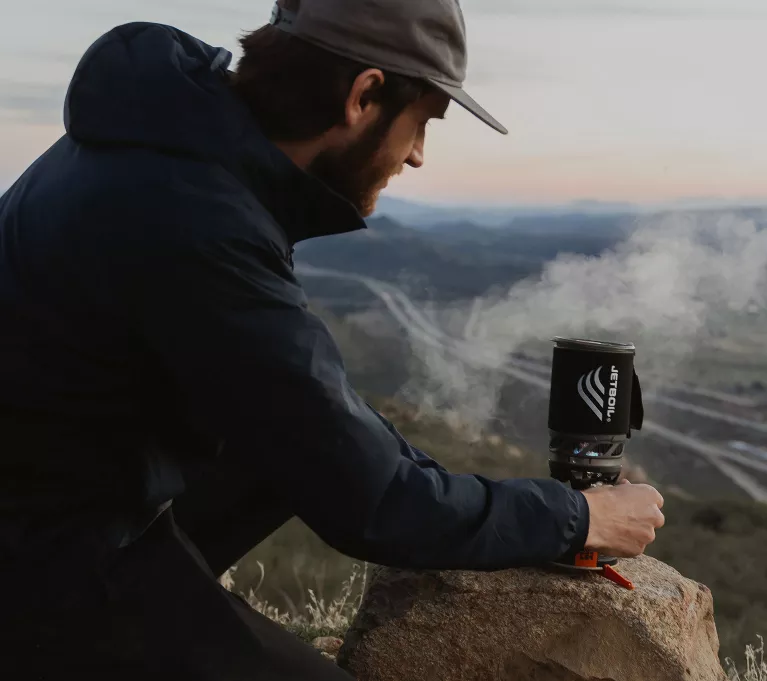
(177, 12)
(41, 56)
(32, 103)
(691, 8)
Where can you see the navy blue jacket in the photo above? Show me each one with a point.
(151, 318)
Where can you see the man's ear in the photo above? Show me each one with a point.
(362, 103)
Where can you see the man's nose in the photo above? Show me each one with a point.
(415, 160)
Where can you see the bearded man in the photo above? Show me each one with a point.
(167, 400)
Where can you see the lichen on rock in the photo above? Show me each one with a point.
(530, 623)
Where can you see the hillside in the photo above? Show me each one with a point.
(459, 260)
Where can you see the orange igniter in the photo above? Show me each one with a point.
(615, 576)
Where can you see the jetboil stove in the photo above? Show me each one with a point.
(595, 402)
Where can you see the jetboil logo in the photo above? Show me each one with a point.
(600, 400)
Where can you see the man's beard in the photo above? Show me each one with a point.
(360, 171)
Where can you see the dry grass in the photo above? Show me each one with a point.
(322, 618)
(335, 617)
(295, 558)
(756, 670)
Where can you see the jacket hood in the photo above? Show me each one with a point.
(153, 86)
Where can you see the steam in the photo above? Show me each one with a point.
(677, 285)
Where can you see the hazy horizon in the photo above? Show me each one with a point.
(629, 100)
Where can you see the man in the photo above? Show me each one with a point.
(167, 400)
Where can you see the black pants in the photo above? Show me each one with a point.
(154, 609)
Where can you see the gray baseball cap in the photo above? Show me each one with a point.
(423, 39)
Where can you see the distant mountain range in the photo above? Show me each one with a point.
(459, 257)
(424, 215)
(456, 260)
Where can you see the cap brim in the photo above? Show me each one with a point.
(459, 95)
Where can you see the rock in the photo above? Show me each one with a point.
(328, 645)
(532, 624)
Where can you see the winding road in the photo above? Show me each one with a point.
(470, 350)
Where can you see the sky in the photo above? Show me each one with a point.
(612, 100)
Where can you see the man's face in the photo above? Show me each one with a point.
(362, 169)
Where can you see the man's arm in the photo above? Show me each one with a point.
(253, 367)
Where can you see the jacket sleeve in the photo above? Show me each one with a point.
(228, 322)
(421, 459)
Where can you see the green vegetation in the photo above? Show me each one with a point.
(724, 546)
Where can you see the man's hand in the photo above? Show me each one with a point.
(623, 518)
